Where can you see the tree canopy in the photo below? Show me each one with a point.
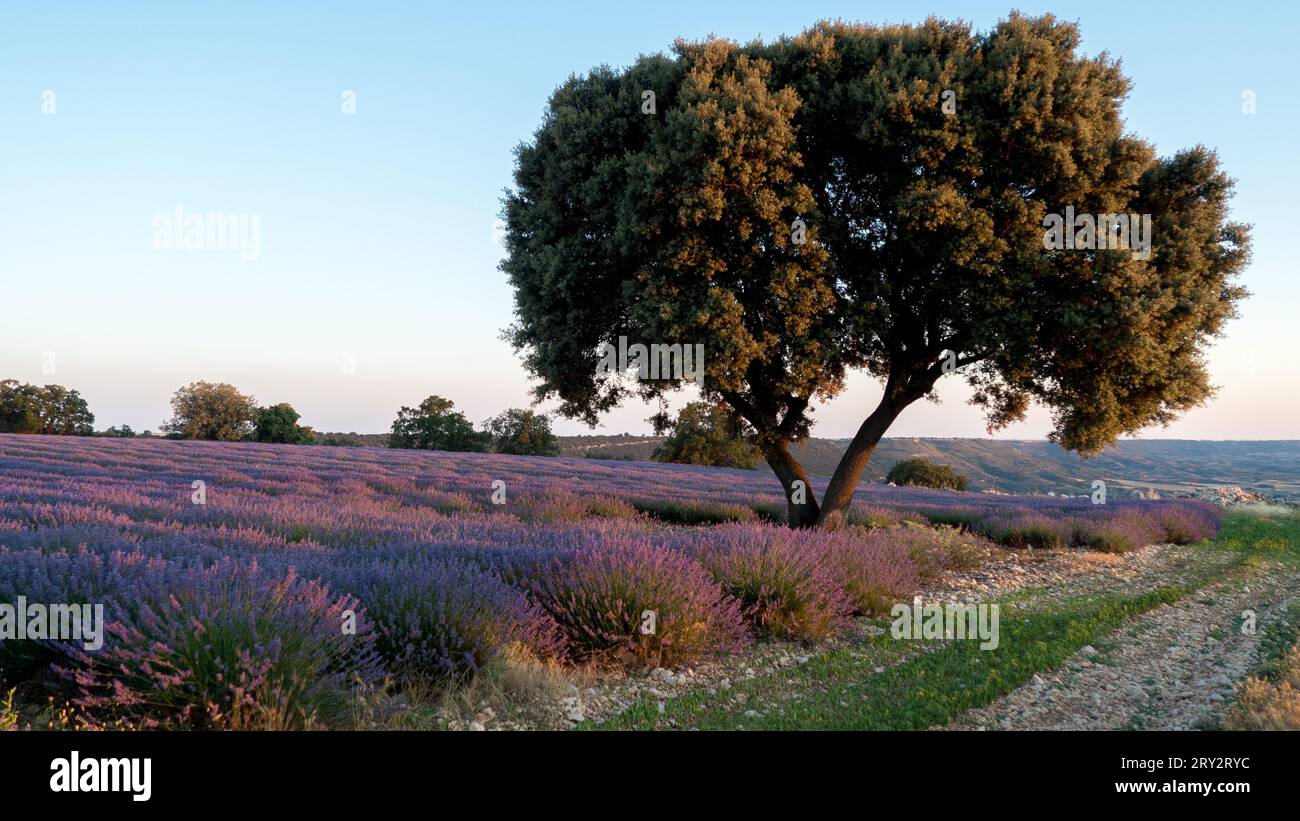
(522, 432)
(52, 409)
(705, 433)
(924, 473)
(279, 424)
(870, 198)
(206, 410)
(435, 425)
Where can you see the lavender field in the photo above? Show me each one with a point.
(250, 585)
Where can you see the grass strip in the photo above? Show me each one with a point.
(836, 691)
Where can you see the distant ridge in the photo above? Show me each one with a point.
(1271, 468)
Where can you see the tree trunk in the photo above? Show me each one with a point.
(800, 503)
(839, 493)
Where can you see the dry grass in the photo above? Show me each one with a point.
(1268, 510)
(1269, 705)
(1096, 557)
(8, 715)
(512, 687)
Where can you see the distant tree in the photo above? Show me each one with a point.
(435, 426)
(20, 407)
(279, 424)
(204, 410)
(123, 432)
(871, 199)
(52, 409)
(522, 432)
(922, 473)
(65, 413)
(338, 440)
(706, 433)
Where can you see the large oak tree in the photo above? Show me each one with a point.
(868, 198)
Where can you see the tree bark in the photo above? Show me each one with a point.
(839, 494)
(800, 503)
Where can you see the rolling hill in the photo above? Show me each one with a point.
(1035, 466)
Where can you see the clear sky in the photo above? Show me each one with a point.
(377, 243)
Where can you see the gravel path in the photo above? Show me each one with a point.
(1173, 668)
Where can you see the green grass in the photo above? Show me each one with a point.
(1278, 639)
(837, 691)
(694, 513)
(923, 684)
(772, 514)
(1261, 537)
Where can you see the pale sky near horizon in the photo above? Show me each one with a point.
(377, 240)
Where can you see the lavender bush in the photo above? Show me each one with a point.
(1027, 530)
(230, 645)
(938, 549)
(1118, 533)
(1187, 522)
(73, 577)
(562, 505)
(639, 604)
(875, 569)
(441, 617)
(781, 577)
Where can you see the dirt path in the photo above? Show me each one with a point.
(1173, 668)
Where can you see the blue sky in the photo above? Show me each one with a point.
(377, 228)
